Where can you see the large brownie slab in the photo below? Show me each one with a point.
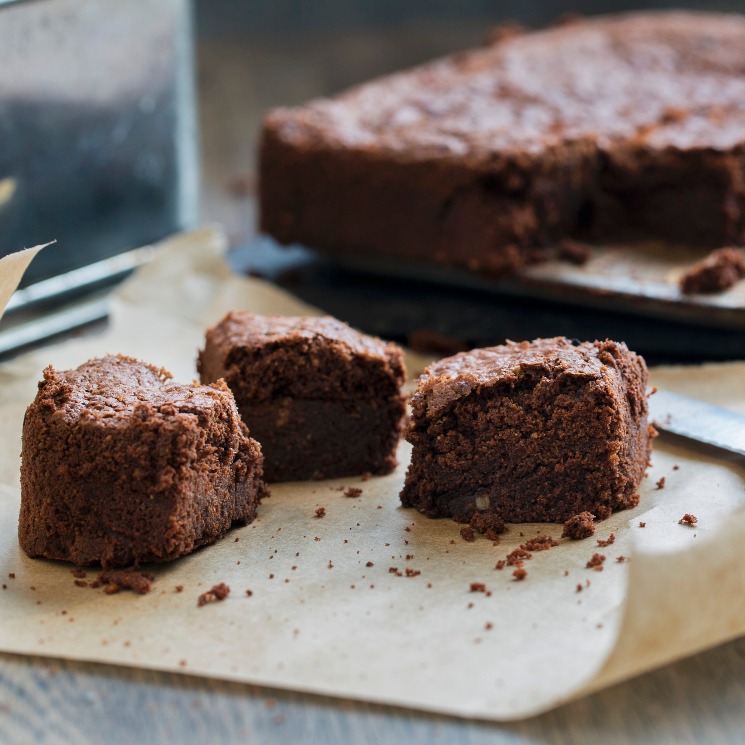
(120, 465)
(322, 399)
(616, 127)
(531, 432)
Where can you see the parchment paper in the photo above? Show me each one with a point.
(326, 613)
(12, 269)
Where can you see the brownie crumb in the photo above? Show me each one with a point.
(79, 573)
(478, 587)
(676, 467)
(249, 593)
(596, 562)
(501, 564)
(488, 524)
(127, 579)
(352, 491)
(642, 525)
(579, 588)
(369, 564)
(412, 572)
(515, 558)
(539, 543)
(366, 476)
(520, 574)
(688, 519)
(488, 626)
(660, 483)
(80, 583)
(608, 542)
(321, 512)
(719, 271)
(12, 575)
(579, 526)
(620, 559)
(574, 252)
(467, 534)
(179, 588)
(218, 592)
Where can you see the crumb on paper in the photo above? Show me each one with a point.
(249, 593)
(216, 593)
(467, 534)
(320, 512)
(688, 519)
(539, 543)
(179, 588)
(369, 564)
(579, 526)
(477, 587)
(516, 557)
(620, 559)
(660, 483)
(717, 272)
(574, 252)
(501, 564)
(352, 492)
(579, 588)
(126, 579)
(596, 562)
(412, 572)
(642, 524)
(488, 524)
(610, 540)
(520, 574)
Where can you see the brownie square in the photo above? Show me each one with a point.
(322, 399)
(120, 465)
(530, 432)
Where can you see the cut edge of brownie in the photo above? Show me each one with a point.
(533, 432)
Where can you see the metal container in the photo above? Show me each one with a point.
(97, 133)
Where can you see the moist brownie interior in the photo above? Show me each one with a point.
(323, 399)
(610, 128)
(530, 432)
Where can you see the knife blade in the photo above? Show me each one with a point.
(697, 420)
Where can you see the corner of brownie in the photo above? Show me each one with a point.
(532, 432)
(323, 399)
(120, 465)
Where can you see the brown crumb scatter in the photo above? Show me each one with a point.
(642, 525)
(179, 588)
(608, 542)
(12, 575)
(501, 564)
(320, 512)
(81, 583)
(579, 526)
(216, 593)
(467, 534)
(539, 543)
(520, 574)
(369, 564)
(515, 558)
(78, 573)
(478, 587)
(660, 483)
(596, 562)
(717, 272)
(352, 492)
(573, 252)
(488, 524)
(412, 572)
(620, 559)
(688, 519)
(127, 579)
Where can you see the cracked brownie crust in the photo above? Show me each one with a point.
(531, 432)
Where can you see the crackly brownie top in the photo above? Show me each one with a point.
(456, 377)
(112, 390)
(265, 357)
(653, 79)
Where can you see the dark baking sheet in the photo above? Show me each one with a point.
(627, 292)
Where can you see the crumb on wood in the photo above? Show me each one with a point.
(579, 526)
(216, 593)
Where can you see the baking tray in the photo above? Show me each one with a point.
(624, 291)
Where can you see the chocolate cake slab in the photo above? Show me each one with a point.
(530, 432)
(613, 127)
(322, 399)
(120, 465)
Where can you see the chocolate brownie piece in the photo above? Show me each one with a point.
(322, 399)
(120, 465)
(612, 127)
(532, 432)
(717, 272)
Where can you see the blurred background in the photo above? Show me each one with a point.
(124, 122)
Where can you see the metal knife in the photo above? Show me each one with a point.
(697, 420)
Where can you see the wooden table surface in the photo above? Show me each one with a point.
(698, 700)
